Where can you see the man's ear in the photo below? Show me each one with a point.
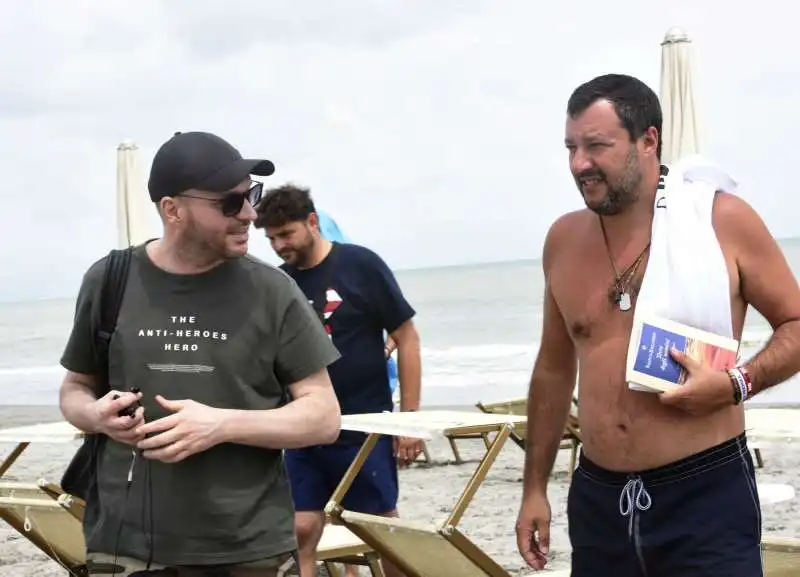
(170, 210)
(650, 140)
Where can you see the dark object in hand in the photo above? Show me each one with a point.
(131, 410)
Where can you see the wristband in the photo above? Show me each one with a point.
(737, 392)
(747, 380)
(742, 387)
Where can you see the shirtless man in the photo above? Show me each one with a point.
(665, 484)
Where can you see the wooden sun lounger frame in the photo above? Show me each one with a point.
(571, 438)
(351, 552)
(364, 526)
(780, 556)
(450, 548)
(572, 435)
(333, 509)
(768, 425)
(44, 497)
(345, 549)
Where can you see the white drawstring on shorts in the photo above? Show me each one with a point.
(634, 496)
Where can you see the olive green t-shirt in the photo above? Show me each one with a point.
(233, 337)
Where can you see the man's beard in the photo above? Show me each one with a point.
(619, 195)
(205, 247)
(301, 256)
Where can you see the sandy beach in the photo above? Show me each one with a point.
(427, 493)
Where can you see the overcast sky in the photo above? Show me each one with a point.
(431, 130)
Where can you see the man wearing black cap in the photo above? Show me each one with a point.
(215, 343)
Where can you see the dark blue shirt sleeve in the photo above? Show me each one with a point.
(386, 300)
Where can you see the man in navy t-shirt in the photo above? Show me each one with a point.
(356, 298)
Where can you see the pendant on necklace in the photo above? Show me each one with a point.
(625, 302)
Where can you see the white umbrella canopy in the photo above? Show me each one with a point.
(135, 212)
(681, 132)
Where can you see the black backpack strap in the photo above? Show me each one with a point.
(80, 476)
(113, 290)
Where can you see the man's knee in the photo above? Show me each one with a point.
(308, 526)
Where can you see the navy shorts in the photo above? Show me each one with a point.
(699, 516)
(314, 473)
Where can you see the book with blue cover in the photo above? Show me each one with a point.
(651, 368)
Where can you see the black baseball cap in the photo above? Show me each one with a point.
(202, 161)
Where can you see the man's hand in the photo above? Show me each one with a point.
(533, 530)
(389, 347)
(191, 428)
(104, 414)
(704, 391)
(407, 450)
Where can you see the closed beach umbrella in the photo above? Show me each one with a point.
(681, 133)
(329, 229)
(134, 209)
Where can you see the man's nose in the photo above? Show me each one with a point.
(277, 244)
(580, 161)
(248, 213)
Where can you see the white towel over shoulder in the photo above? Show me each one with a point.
(686, 278)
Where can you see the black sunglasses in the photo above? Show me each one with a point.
(231, 203)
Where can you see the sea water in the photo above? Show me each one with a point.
(479, 326)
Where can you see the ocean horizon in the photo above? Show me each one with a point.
(479, 325)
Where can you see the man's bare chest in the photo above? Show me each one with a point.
(592, 302)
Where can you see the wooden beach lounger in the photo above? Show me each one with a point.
(47, 518)
(781, 557)
(513, 407)
(54, 519)
(767, 426)
(762, 425)
(417, 549)
(339, 545)
(422, 550)
(51, 520)
(570, 440)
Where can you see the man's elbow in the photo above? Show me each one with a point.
(70, 386)
(406, 337)
(62, 394)
(330, 422)
(76, 394)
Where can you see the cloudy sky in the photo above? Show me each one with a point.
(431, 130)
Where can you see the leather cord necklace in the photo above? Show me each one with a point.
(620, 290)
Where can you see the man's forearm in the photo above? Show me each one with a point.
(409, 369)
(74, 400)
(779, 360)
(307, 421)
(549, 402)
